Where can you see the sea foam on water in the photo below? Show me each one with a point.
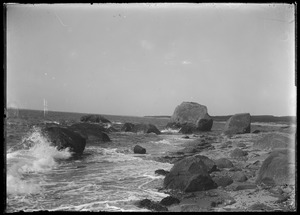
(36, 156)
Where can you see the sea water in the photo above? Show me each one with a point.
(110, 178)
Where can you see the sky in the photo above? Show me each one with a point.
(146, 59)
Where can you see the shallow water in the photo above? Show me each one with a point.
(106, 177)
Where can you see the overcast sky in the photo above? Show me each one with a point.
(145, 59)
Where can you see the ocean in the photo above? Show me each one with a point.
(107, 177)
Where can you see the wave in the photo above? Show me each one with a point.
(33, 156)
(170, 131)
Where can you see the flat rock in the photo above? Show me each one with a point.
(223, 163)
(273, 140)
(238, 153)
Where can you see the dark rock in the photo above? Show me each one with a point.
(188, 128)
(62, 138)
(223, 163)
(238, 124)
(256, 131)
(223, 181)
(279, 166)
(272, 141)
(239, 176)
(193, 114)
(90, 131)
(127, 127)
(145, 128)
(238, 153)
(186, 137)
(94, 119)
(150, 205)
(139, 150)
(189, 174)
(161, 172)
(169, 200)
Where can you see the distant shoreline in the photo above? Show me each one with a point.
(254, 118)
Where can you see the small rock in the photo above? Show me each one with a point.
(240, 177)
(186, 137)
(161, 172)
(150, 205)
(256, 131)
(282, 199)
(259, 207)
(223, 163)
(241, 145)
(139, 150)
(223, 181)
(169, 200)
(238, 153)
(229, 201)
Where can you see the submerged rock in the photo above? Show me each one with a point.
(189, 175)
(127, 127)
(278, 167)
(63, 138)
(238, 124)
(191, 117)
(139, 150)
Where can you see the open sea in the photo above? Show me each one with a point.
(107, 177)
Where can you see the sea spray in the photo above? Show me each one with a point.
(34, 155)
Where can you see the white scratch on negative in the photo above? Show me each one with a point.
(60, 20)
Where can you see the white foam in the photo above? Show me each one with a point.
(40, 157)
(162, 142)
(169, 130)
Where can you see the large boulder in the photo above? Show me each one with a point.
(273, 140)
(191, 113)
(189, 175)
(94, 119)
(238, 124)
(140, 128)
(278, 168)
(91, 131)
(63, 138)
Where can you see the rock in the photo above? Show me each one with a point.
(127, 127)
(62, 138)
(223, 181)
(145, 128)
(94, 119)
(90, 131)
(210, 164)
(256, 131)
(238, 153)
(191, 113)
(189, 175)
(242, 186)
(150, 205)
(223, 163)
(241, 145)
(188, 128)
(161, 172)
(186, 137)
(259, 207)
(279, 166)
(169, 200)
(239, 176)
(139, 150)
(173, 125)
(238, 124)
(273, 140)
